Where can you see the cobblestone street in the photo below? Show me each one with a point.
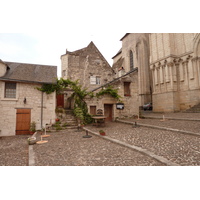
(69, 148)
(13, 151)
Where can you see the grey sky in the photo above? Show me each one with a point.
(47, 48)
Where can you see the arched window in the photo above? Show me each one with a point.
(131, 61)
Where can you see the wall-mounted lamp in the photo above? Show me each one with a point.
(24, 100)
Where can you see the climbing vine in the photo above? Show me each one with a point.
(80, 106)
(111, 91)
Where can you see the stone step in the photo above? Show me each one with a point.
(194, 109)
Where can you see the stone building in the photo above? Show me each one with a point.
(175, 70)
(90, 67)
(162, 68)
(168, 68)
(134, 54)
(20, 102)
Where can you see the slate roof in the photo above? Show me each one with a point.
(32, 73)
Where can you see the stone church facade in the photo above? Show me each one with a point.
(175, 70)
(168, 68)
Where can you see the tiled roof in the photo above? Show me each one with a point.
(35, 73)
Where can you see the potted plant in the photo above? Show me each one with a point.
(101, 132)
(57, 120)
(32, 127)
(31, 140)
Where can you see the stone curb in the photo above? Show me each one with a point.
(172, 118)
(31, 155)
(141, 150)
(161, 128)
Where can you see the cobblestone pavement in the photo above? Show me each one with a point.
(182, 149)
(14, 151)
(193, 126)
(69, 148)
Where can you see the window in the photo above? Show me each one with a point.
(93, 110)
(127, 91)
(98, 80)
(95, 80)
(10, 90)
(131, 61)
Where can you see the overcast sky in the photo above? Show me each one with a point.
(46, 48)
(40, 31)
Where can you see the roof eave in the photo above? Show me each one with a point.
(24, 81)
(124, 36)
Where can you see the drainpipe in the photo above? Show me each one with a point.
(41, 110)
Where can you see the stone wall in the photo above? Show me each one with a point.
(82, 64)
(175, 70)
(138, 43)
(33, 101)
(131, 105)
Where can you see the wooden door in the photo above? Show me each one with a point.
(93, 110)
(60, 100)
(23, 121)
(108, 110)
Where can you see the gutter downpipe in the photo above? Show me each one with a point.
(41, 110)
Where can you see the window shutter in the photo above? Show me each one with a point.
(92, 80)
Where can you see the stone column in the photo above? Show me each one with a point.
(190, 68)
(167, 80)
(170, 66)
(161, 74)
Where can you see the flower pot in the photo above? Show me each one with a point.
(32, 140)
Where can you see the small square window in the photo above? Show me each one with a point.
(10, 90)
(95, 80)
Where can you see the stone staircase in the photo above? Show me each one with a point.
(67, 120)
(194, 109)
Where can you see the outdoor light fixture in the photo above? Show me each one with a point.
(24, 100)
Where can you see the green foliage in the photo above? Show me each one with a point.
(111, 91)
(80, 106)
(33, 126)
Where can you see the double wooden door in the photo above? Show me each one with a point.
(23, 121)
